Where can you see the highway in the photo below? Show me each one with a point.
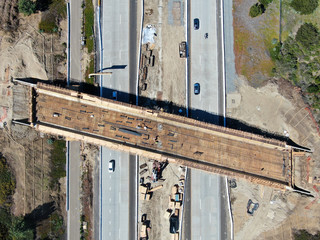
(207, 203)
(115, 189)
(74, 192)
(73, 229)
(75, 41)
(118, 196)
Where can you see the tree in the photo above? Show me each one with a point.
(313, 89)
(304, 6)
(265, 3)
(18, 230)
(308, 36)
(27, 7)
(256, 10)
(7, 182)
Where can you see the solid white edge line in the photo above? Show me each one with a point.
(187, 59)
(138, 60)
(67, 143)
(137, 104)
(68, 44)
(136, 195)
(100, 84)
(183, 202)
(187, 107)
(67, 189)
(224, 112)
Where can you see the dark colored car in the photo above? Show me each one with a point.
(196, 23)
(196, 88)
(111, 165)
(174, 224)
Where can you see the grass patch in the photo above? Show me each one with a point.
(58, 162)
(304, 235)
(57, 11)
(88, 24)
(90, 69)
(253, 44)
(48, 23)
(7, 183)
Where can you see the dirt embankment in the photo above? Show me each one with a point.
(278, 108)
(274, 106)
(9, 20)
(27, 53)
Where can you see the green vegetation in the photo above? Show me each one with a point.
(304, 235)
(304, 6)
(48, 24)
(256, 10)
(90, 69)
(7, 183)
(18, 230)
(308, 36)
(12, 227)
(58, 161)
(265, 3)
(57, 10)
(27, 7)
(84, 233)
(259, 8)
(88, 24)
(298, 60)
(51, 228)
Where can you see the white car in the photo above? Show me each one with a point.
(111, 165)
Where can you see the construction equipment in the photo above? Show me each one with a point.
(183, 50)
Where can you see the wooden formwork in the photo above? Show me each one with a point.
(179, 139)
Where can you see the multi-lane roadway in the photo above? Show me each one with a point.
(73, 198)
(206, 218)
(118, 55)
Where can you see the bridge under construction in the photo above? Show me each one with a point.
(162, 136)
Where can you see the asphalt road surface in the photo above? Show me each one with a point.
(207, 213)
(115, 188)
(204, 61)
(205, 206)
(75, 41)
(73, 231)
(74, 191)
(115, 43)
(119, 188)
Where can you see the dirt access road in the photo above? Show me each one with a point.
(162, 85)
(166, 79)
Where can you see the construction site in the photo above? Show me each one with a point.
(259, 169)
(162, 136)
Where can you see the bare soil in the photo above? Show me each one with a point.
(274, 106)
(26, 53)
(156, 208)
(278, 108)
(9, 15)
(165, 87)
(166, 79)
(89, 153)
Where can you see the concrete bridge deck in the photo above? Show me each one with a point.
(161, 135)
